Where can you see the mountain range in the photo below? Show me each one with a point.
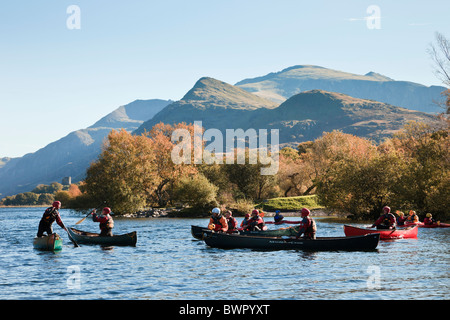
(72, 154)
(301, 101)
(279, 86)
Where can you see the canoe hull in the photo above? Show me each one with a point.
(410, 232)
(441, 225)
(48, 243)
(283, 221)
(84, 237)
(232, 241)
(197, 232)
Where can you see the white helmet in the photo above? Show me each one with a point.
(216, 210)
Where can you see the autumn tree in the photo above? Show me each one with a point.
(124, 175)
(165, 169)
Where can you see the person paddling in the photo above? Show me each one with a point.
(386, 220)
(413, 217)
(217, 222)
(106, 221)
(401, 218)
(255, 223)
(307, 226)
(51, 215)
(231, 222)
(278, 216)
(429, 220)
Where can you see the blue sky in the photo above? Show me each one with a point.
(54, 80)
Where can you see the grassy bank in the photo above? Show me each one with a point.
(285, 204)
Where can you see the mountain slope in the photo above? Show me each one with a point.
(307, 115)
(217, 104)
(72, 154)
(280, 86)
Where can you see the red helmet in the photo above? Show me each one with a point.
(56, 204)
(386, 209)
(106, 210)
(255, 212)
(305, 212)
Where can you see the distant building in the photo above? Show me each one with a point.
(67, 181)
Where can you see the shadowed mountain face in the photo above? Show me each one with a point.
(282, 85)
(72, 154)
(307, 115)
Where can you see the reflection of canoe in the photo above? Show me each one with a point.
(387, 234)
(52, 242)
(282, 221)
(83, 237)
(233, 241)
(197, 232)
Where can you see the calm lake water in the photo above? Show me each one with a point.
(168, 263)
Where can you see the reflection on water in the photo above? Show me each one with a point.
(168, 263)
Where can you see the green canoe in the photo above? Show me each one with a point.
(52, 242)
(197, 232)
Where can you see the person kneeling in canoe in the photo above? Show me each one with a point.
(231, 222)
(413, 217)
(429, 220)
(217, 222)
(106, 222)
(307, 226)
(401, 218)
(255, 223)
(386, 220)
(51, 215)
(278, 216)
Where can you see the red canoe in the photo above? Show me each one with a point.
(422, 225)
(351, 231)
(435, 225)
(282, 221)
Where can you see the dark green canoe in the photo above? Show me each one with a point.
(52, 242)
(83, 237)
(197, 232)
(234, 241)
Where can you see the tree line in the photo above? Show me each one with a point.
(409, 171)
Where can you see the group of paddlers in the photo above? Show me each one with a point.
(255, 222)
(51, 215)
(388, 220)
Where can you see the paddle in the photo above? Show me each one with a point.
(104, 202)
(70, 237)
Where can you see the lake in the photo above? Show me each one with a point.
(169, 264)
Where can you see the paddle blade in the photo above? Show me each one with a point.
(81, 220)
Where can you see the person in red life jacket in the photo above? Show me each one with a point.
(429, 220)
(51, 215)
(106, 222)
(255, 223)
(231, 222)
(217, 222)
(401, 218)
(386, 220)
(245, 221)
(307, 226)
